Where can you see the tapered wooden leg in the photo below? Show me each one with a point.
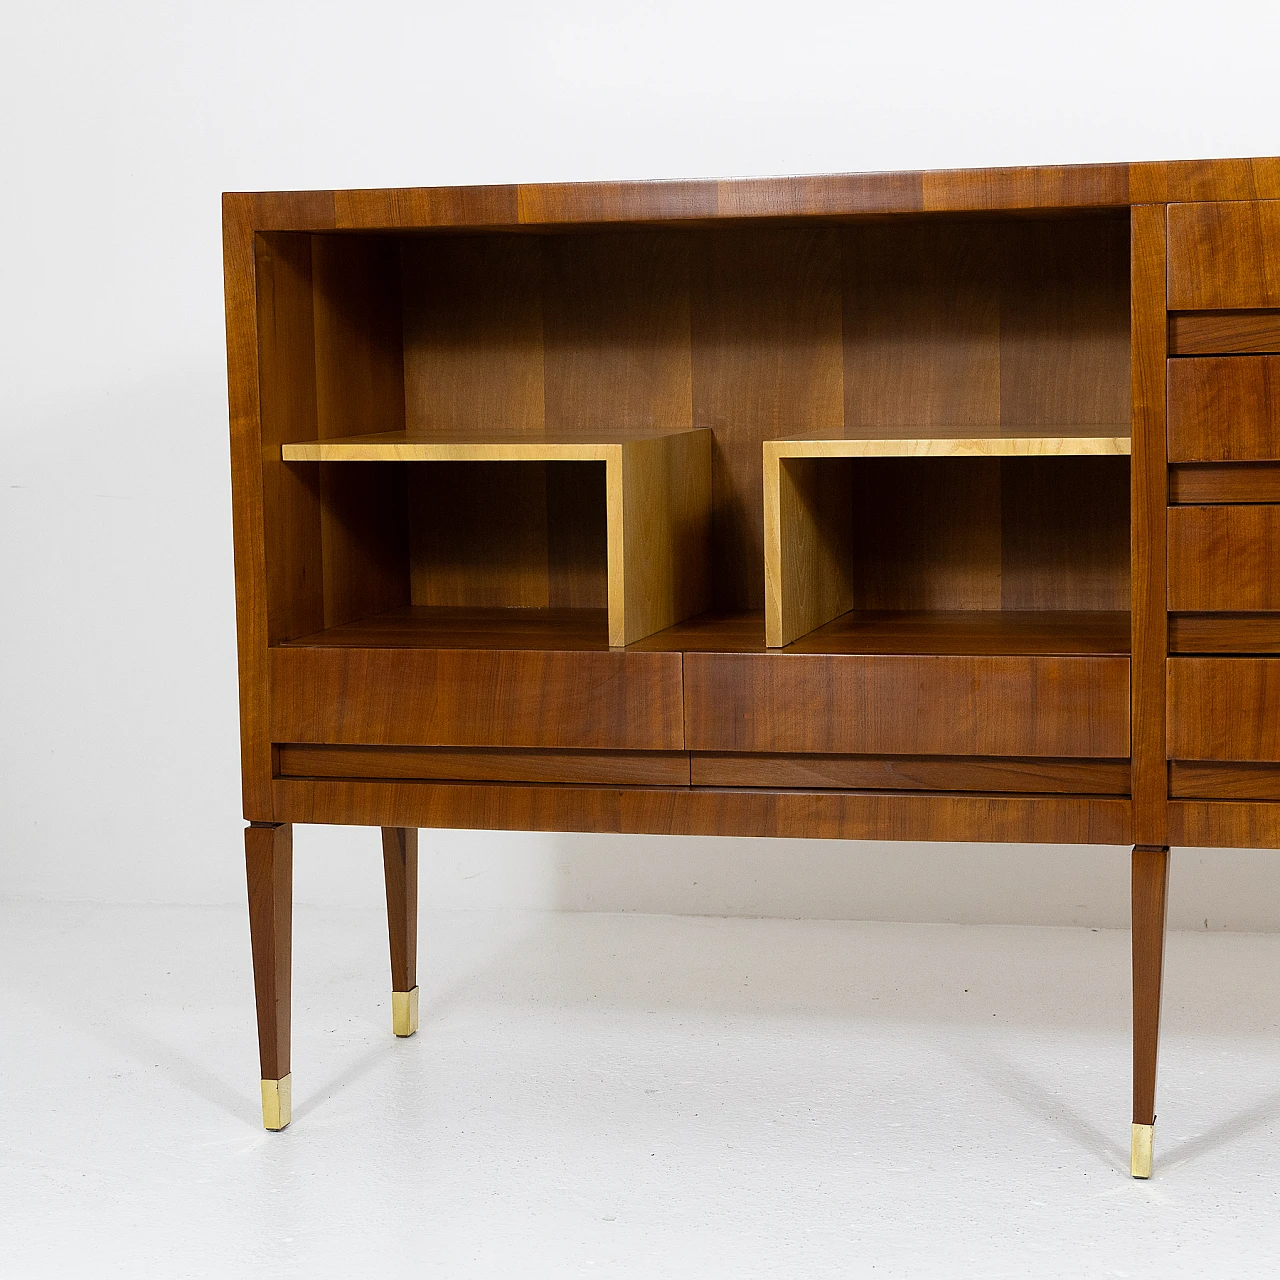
(1149, 902)
(268, 849)
(400, 861)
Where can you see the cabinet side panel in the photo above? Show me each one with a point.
(1149, 499)
(246, 505)
(287, 380)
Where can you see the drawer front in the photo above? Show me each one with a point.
(1224, 709)
(902, 705)
(1224, 409)
(1224, 559)
(1224, 255)
(477, 698)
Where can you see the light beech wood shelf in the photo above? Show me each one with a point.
(953, 442)
(657, 493)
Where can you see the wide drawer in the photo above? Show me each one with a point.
(477, 698)
(1002, 705)
(1223, 708)
(1224, 409)
(1224, 559)
(1224, 255)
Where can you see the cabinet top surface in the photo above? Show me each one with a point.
(716, 201)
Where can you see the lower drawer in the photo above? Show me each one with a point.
(1223, 708)
(596, 700)
(895, 704)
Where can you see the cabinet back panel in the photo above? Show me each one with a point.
(991, 533)
(513, 534)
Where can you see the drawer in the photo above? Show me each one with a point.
(599, 700)
(1223, 708)
(895, 704)
(1224, 255)
(1224, 409)
(1224, 559)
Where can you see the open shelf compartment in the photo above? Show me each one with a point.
(945, 526)
(652, 488)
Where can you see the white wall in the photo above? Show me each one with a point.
(122, 124)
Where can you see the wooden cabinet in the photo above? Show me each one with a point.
(892, 506)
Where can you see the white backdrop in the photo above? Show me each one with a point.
(121, 126)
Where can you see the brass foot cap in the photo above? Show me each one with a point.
(404, 1012)
(277, 1102)
(1140, 1150)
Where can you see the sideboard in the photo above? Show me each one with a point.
(911, 506)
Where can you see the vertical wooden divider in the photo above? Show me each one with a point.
(1149, 501)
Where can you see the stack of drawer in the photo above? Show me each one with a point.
(1224, 493)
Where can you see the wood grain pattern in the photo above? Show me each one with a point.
(1150, 895)
(1224, 558)
(617, 332)
(268, 852)
(820, 194)
(287, 381)
(1208, 333)
(1161, 181)
(1224, 409)
(768, 359)
(400, 870)
(420, 627)
(921, 324)
(911, 773)
(1224, 709)
(411, 207)
(1148, 501)
(247, 508)
(280, 210)
(700, 202)
(1215, 780)
(359, 372)
(990, 631)
(1224, 255)
(479, 764)
(943, 534)
(961, 324)
(473, 335)
(1224, 824)
(1224, 633)
(657, 520)
(477, 698)
(694, 811)
(567, 202)
(1218, 482)
(976, 441)
(893, 704)
(809, 568)
(1027, 187)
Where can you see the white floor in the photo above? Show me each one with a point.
(647, 1096)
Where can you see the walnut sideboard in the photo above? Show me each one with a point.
(913, 506)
